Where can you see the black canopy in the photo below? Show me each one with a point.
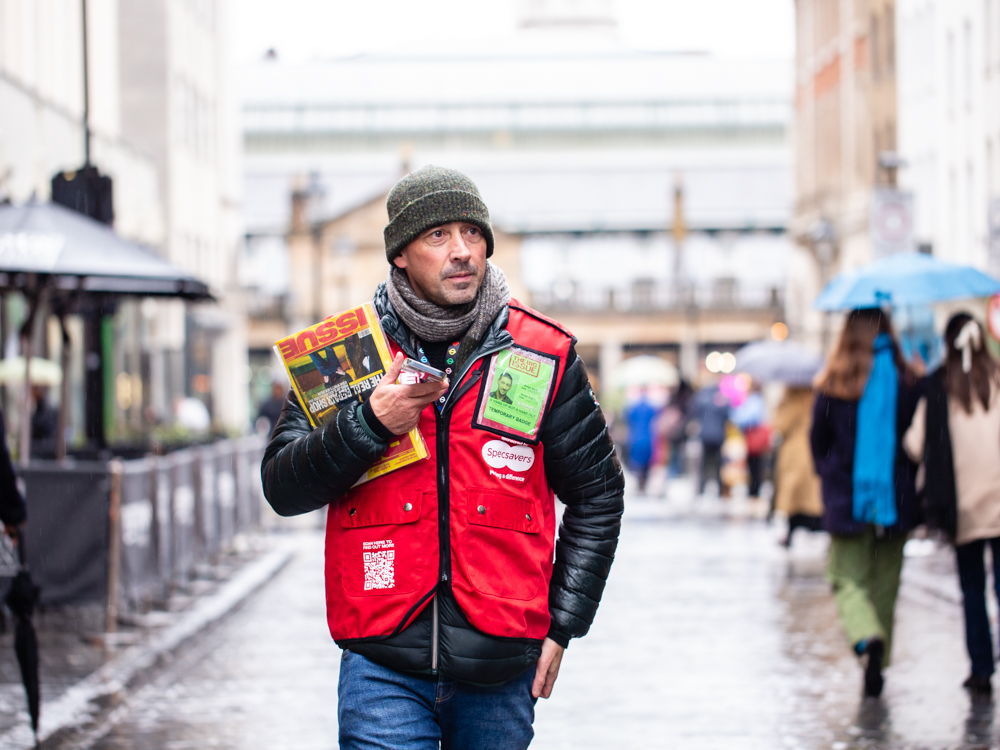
(79, 254)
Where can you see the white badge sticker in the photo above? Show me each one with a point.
(499, 455)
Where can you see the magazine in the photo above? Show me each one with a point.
(335, 365)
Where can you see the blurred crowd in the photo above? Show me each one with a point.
(872, 448)
(734, 434)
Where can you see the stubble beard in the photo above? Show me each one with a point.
(452, 295)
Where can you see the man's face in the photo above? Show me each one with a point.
(504, 384)
(446, 264)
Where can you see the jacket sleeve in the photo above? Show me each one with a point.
(821, 433)
(305, 468)
(583, 470)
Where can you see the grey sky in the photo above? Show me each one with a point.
(307, 29)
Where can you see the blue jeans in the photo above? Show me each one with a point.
(972, 576)
(382, 708)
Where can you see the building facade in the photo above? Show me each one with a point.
(578, 145)
(949, 125)
(163, 127)
(179, 104)
(845, 136)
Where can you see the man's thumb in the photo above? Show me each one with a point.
(395, 368)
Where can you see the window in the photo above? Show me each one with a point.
(987, 36)
(874, 45)
(890, 40)
(970, 211)
(950, 60)
(967, 56)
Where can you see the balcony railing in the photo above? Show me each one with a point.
(652, 297)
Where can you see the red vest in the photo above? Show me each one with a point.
(478, 513)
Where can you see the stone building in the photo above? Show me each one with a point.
(845, 120)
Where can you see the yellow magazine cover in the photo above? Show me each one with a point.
(337, 363)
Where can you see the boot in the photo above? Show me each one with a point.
(875, 651)
(978, 685)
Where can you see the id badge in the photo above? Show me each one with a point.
(516, 393)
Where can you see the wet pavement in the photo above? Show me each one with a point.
(710, 636)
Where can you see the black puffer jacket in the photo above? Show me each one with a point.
(304, 469)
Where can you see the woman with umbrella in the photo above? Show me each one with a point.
(956, 433)
(867, 397)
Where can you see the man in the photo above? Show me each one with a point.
(270, 410)
(503, 388)
(441, 585)
(710, 409)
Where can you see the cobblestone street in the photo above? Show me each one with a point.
(710, 636)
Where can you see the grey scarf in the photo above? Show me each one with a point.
(430, 322)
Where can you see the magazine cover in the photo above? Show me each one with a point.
(336, 364)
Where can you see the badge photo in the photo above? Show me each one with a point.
(516, 392)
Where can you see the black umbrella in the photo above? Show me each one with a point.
(22, 598)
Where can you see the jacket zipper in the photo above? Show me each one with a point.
(468, 366)
(444, 528)
(444, 505)
(434, 635)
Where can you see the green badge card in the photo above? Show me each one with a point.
(515, 393)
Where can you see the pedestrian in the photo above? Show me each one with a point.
(956, 434)
(44, 424)
(710, 409)
(640, 417)
(867, 396)
(796, 486)
(270, 410)
(675, 423)
(12, 508)
(445, 588)
(751, 418)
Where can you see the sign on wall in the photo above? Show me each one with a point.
(891, 222)
(993, 316)
(993, 224)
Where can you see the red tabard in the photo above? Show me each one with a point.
(383, 546)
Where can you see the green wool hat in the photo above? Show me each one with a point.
(428, 198)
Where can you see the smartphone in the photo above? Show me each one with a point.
(426, 373)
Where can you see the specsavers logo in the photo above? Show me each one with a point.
(499, 455)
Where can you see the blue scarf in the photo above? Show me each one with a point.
(875, 443)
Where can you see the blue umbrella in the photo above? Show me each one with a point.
(904, 279)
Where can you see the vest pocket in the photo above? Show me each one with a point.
(379, 544)
(504, 544)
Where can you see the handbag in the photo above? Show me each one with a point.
(758, 439)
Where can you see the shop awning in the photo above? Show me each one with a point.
(79, 254)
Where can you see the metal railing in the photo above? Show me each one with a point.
(127, 533)
(648, 297)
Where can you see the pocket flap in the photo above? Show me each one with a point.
(373, 507)
(504, 511)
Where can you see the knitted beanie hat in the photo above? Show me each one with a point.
(428, 198)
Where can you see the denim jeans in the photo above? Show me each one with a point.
(382, 708)
(972, 576)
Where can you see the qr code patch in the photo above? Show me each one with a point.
(379, 572)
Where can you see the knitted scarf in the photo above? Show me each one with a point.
(430, 322)
(875, 442)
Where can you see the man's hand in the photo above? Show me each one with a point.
(398, 407)
(548, 669)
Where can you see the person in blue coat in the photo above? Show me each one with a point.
(640, 418)
(710, 408)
